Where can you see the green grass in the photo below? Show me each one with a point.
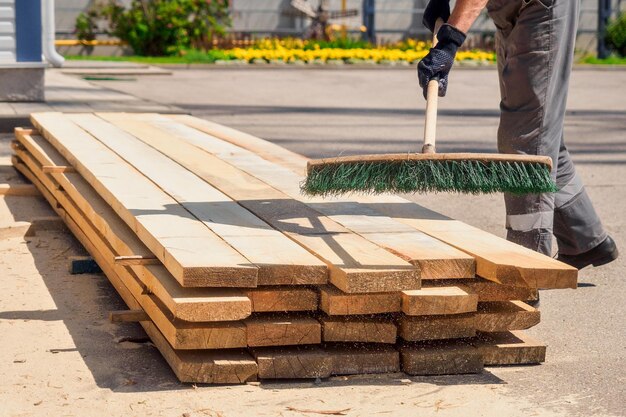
(612, 60)
(196, 57)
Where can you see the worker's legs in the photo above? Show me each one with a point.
(535, 47)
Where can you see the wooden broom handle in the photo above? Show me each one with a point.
(432, 95)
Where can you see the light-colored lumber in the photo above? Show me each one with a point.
(356, 265)
(210, 304)
(437, 259)
(175, 236)
(181, 335)
(496, 259)
(128, 260)
(20, 190)
(49, 169)
(510, 348)
(293, 362)
(418, 328)
(441, 358)
(488, 290)
(501, 316)
(359, 329)
(272, 252)
(438, 301)
(350, 359)
(282, 330)
(335, 302)
(128, 316)
(282, 299)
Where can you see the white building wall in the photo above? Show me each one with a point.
(7, 31)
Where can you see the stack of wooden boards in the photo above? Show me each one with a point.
(237, 276)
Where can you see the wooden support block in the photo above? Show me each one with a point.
(335, 302)
(83, 265)
(282, 330)
(419, 328)
(501, 316)
(136, 260)
(45, 224)
(282, 299)
(128, 316)
(351, 359)
(19, 190)
(438, 301)
(510, 348)
(359, 329)
(441, 358)
(293, 362)
(54, 169)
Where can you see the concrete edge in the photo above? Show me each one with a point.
(348, 67)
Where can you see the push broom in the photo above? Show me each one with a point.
(428, 171)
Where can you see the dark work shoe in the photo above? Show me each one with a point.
(602, 254)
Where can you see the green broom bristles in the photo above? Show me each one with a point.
(471, 176)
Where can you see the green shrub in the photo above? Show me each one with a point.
(616, 35)
(86, 25)
(164, 27)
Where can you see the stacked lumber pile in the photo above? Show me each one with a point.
(235, 276)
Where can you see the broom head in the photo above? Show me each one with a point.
(410, 173)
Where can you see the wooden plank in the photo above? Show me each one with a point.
(348, 359)
(128, 316)
(166, 228)
(49, 169)
(510, 348)
(438, 301)
(282, 299)
(488, 290)
(437, 259)
(233, 366)
(128, 260)
(273, 253)
(441, 358)
(420, 328)
(282, 330)
(356, 265)
(200, 304)
(335, 302)
(358, 329)
(501, 316)
(181, 335)
(496, 259)
(293, 362)
(19, 190)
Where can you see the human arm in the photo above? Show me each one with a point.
(438, 63)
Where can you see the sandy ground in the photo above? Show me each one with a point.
(61, 357)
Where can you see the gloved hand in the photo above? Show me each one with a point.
(438, 63)
(436, 9)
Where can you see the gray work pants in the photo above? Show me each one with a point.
(535, 49)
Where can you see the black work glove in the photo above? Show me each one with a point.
(436, 9)
(438, 63)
